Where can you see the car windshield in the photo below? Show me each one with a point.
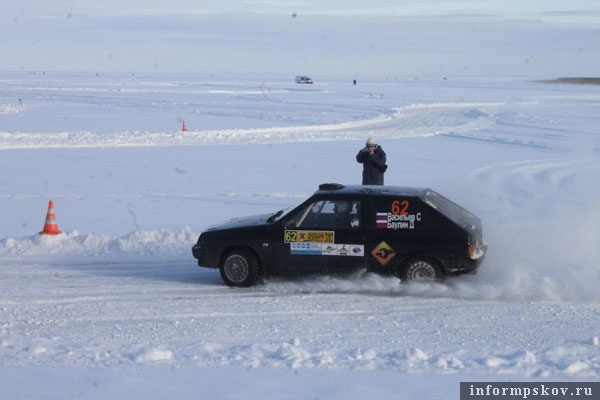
(278, 215)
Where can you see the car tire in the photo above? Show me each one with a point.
(239, 268)
(420, 270)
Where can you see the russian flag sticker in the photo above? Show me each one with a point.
(382, 220)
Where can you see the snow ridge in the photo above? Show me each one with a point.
(404, 122)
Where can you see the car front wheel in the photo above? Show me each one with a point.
(420, 270)
(239, 268)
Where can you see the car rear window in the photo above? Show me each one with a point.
(453, 211)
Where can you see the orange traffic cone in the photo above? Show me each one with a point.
(184, 128)
(50, 227)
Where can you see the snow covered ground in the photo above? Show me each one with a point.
(116, 306)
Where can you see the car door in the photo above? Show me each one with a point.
(324, 235)
(400, 227)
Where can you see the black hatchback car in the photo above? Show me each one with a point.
(415, 234)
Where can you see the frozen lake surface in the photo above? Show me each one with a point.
(118, 294)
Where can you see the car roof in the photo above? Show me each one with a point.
(369, 190)
(445, 206)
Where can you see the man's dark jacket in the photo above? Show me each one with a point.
(373, 165)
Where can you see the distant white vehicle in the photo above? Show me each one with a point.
(303, 79)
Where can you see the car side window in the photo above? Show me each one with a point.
(328, 214)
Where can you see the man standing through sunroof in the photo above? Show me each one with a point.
(373, 159)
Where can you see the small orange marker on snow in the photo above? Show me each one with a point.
(50, 226)
(184, 128)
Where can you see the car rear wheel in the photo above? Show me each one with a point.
(239, 268)
(420, 270)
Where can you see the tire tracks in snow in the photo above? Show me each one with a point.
(418, 120)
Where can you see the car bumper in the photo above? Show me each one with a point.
(206, 256)
(462, 266)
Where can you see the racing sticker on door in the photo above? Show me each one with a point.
(399, 217)
(309, 236)
(383, 253)
(328, 249)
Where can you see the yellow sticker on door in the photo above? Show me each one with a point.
(309, 236)
(383, 253)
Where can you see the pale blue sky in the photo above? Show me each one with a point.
(559, 9)
(475, 37)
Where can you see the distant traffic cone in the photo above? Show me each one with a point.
(50, 227)
(184, 128)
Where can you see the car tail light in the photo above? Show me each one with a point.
(470, 251)
(474, 251)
